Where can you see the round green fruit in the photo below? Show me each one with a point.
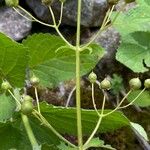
(34, 81)
(147, 83)
(6, 85)
(92, 77)
(135, 84)
(47, 2)
(26, 107)
(105, 84)
(27, 98)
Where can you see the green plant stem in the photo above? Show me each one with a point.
(56, 28)
(98, 123)
(78, 101)
(45, 24)
(37, 99)
(61, 13)
(93, 100)
(78, 95)
(47, 124)
(17, 101)
(104, 25)
(133, 100)
(29, 131)
(22, 14)
(118, 104)
(34, 19)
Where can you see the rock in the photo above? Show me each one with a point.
(93, 11)
(14, 25)
(109, 40)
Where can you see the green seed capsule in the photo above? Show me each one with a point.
(92, 77)
(47, 2)
(113, 1)
(12, 3)
(135, 83)
(105, 84)
(147, 83)
(62, 1)
(27, 98)
(27, 107)
(34, 81)
(6, 85)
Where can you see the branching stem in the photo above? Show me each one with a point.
(47, 124)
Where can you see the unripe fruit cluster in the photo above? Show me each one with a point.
(105, 84)
(136, 84)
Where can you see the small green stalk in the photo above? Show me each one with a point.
(78, 96)
(29, 131)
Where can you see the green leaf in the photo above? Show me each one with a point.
(7, 107)
(63, 146)
(13, 61)
(49, 147)
(51, 66)
(96, 142)
(143, 2)
(140, 130)
(64, 119)
(143, 100)
(137, 19)
(134, 51)
(13, 138)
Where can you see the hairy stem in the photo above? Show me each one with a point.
(78, 96)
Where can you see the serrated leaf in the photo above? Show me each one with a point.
(140, 130)
(143, 100)
(135, 47)
(52, 67)
(64, 119)
(63, 146)
(96, 142)
(137, 19)
(7, 107)
(13, 61)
